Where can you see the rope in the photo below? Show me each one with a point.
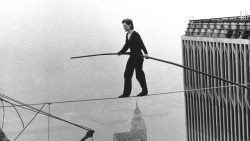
(114, 98)
(44, 113)
(29, 122)
(16, 110)
(152, 58)
(3, 112)
(40, 112)
(164, 61)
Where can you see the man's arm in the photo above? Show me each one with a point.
(125, 47)
(143, 46)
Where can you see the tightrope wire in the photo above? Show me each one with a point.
(114, 98)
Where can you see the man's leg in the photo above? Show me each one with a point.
(141, 77)
(128, 78)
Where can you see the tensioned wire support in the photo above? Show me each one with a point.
(168, 62)
(31, 108)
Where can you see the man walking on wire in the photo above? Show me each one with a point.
(135, 62)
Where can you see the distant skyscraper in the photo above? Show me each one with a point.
(138, 129)
(221, 47)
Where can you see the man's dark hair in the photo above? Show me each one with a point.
(128, 22)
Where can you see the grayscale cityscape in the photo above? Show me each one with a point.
(134, 70)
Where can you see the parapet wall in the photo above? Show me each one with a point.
(227, 27)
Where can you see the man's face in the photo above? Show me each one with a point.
(126, 27)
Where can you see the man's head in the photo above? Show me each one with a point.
(127, 24)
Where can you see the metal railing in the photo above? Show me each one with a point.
(219, 35)
(223, 19)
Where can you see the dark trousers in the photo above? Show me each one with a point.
(134, 63)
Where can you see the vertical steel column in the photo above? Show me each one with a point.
(248, 123)
(223, 72)
(237, 94)
(212, 71)
(204, 111)
(191, 94)
(211, 64)
(196, 93)
(234, 93)
(219, 69)
(199, 84)
(198, 87)
(184, 43)
(207, 92)
(248, 91)
(224, 121)
(241, 92)
(244, 75)
(228, 105)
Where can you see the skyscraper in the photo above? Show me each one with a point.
(216, 110)
(138, 129)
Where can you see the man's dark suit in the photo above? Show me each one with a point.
(135, 44)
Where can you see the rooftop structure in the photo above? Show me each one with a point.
(216, 110)
(227, 27)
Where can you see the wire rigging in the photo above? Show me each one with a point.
(87, 100)
(3, 112)
(47, 114)
(16, 111)
(29, 123)
(29, 107)
(114, 98)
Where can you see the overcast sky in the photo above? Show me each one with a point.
(38, 37)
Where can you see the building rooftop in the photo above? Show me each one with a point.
(226, 27)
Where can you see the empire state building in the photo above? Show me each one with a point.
(138, 129)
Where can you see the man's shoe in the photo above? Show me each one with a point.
(142, 94)
(123, 96)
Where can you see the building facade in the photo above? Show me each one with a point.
(138, 130)
(216, 110)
